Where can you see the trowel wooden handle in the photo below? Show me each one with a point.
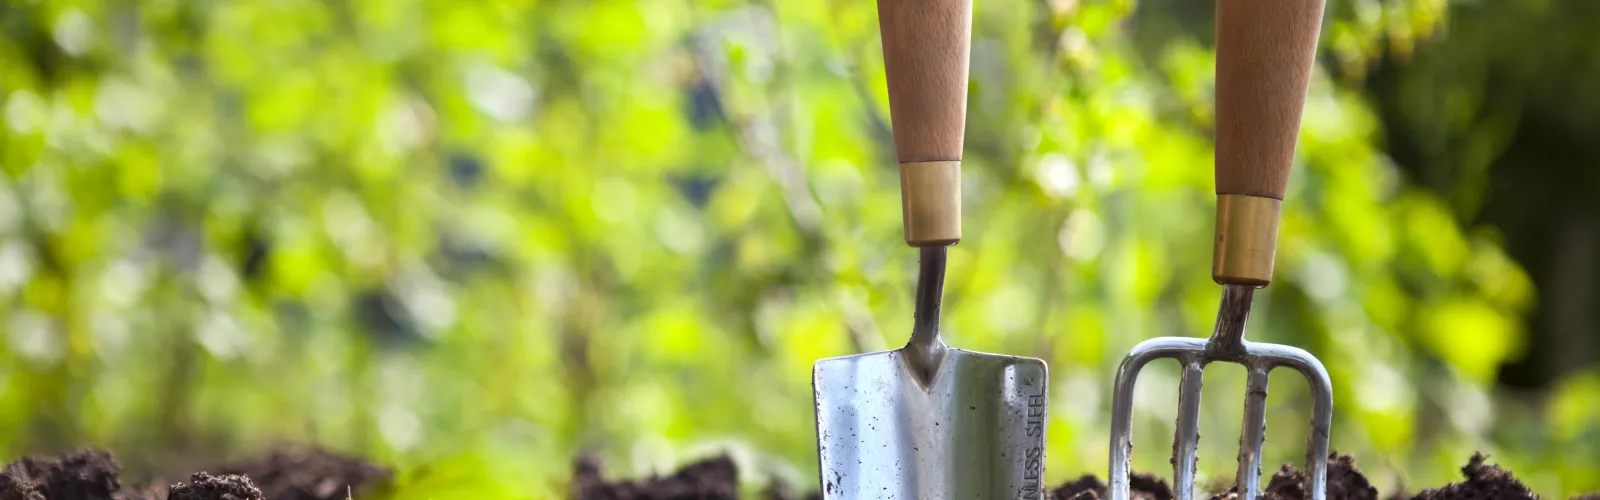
(926, 46)
(1265, 51)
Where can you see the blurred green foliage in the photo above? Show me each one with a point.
(474, 239)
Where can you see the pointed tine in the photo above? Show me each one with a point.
(1253, 433)
(1187, 442)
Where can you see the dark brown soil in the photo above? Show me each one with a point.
(12, 488)
(782, 491)
(1485, 482)
(309, 474)
(87, 474)
(711, 479)
(202, 486)
(1089, 487)
(1345, 482)
(288, 474)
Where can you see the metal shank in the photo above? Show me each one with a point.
(925, 351)
(1226, 344)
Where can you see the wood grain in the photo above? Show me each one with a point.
(1265, 52)
(926, 47)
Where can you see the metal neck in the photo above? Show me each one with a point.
(1227, 340)
(925, 350)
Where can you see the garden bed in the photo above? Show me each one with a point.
(284, 474)
(717, 479)
(315, 474)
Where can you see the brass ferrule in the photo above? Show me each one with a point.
(1246, 240)
(930, 201)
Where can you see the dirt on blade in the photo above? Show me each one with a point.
(711, 479)
(1089, 487)
(203, 486)
(1484, 482)
(309, 474)
(87, 474)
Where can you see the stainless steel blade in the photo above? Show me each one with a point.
(930, 422)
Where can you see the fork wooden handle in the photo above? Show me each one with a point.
(1265, 51)
(926, 48)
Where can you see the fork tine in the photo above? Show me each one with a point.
(1186, 443)
(1253, 433)
(1321, 422)
(1321, 408)
(1122, 403)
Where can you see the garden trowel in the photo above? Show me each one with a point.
(927, 421)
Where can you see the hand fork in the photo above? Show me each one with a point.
(1264, 58)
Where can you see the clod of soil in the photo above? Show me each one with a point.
(1485, 482)
(782, 491)
(711, 479)
(1089, 487)
(87, 474)
(12, 488)
(203, 486)
(1345, 482)
(290, 474)
(309, 474)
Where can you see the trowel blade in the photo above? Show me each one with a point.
(977, 431)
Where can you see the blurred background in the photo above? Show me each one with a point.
(474, 239)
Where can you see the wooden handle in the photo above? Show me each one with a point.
(1265, 51)
(1264, 56)
(926, 47)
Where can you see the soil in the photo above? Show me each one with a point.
(13, 489)
(711, 479)
(1089, 487)
(202, 486)
(717, 479)
(315, 474)
(85, 474)
(782, 491)
(1345, 482)
(308, 474)
(1486, 482)
(289, 474)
